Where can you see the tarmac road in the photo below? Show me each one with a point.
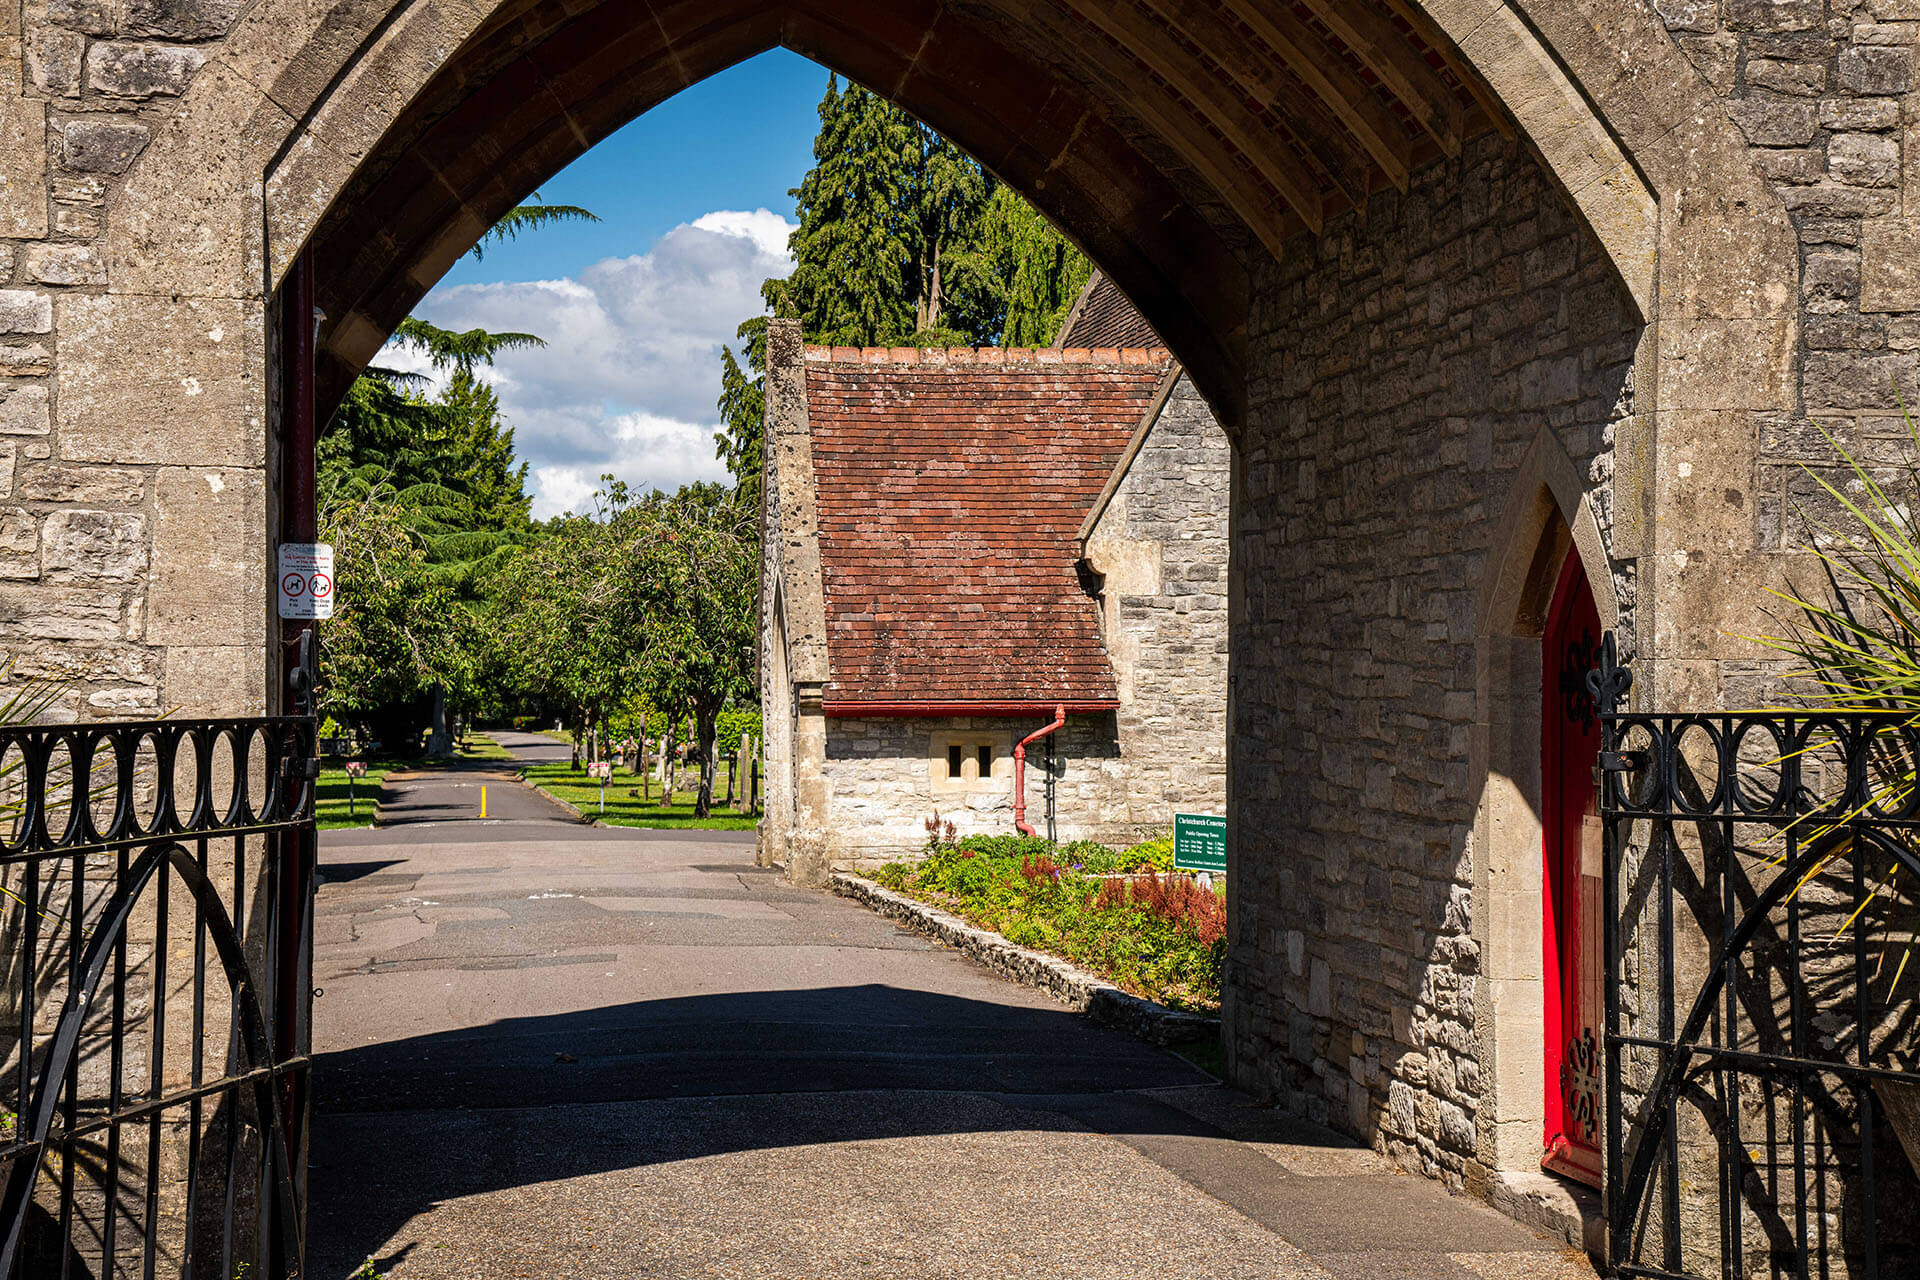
(555, 1051)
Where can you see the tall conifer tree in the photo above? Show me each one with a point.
(1037, 269)
(903, 240)
(743, 408)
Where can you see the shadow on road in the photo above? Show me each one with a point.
(403, 1126)
(344, 872)
(858, 1037)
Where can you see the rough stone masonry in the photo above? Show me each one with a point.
(1416, 355)
(1443, 356)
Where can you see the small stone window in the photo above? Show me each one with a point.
(962, 760)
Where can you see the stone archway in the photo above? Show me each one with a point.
(305, 110)
(280, 132)
(1231, 186)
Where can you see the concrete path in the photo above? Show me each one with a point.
(450, 792)
(532, 748)
(564, 1052)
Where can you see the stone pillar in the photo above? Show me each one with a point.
(807, 847)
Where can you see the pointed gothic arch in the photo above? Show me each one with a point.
(1549, 519)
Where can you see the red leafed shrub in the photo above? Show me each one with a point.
(1177, 899)
(1039, 869)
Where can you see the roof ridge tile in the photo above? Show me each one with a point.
(819, 353)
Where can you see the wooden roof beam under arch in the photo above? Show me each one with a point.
(1385, 51)
(1268, 85)
(1423, 25)
(1173, 119)
(1321, 68)
(1201, 87)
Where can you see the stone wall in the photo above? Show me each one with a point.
(132, 498)
(1409, 362)
(1746, 163)
(1821, 92)
(1161, 546)
(884, 784)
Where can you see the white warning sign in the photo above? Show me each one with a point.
(306, 580)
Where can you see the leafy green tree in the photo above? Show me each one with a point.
(424, 504)
(903, 240)
(462, 351)
(531, 216)
(465, 351)
(398, 631)
(446, 463)
(854, 254)
(570, 618)
(644, 603)
(1031, 269)
(697, 557)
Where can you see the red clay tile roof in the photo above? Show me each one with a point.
(951, 485)
(1103, 317)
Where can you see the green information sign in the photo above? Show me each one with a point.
(1199, 843)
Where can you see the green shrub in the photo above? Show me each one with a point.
(1157, 935)
(733, 722)
(1154, 855)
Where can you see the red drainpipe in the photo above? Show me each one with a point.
(1020, 822)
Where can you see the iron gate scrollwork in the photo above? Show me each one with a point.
(155, 896)
(1762, 891)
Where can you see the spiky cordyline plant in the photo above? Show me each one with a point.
(1859, 650)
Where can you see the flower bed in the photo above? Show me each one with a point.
(1125, 915)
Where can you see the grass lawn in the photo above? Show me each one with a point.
(330, 794)
(481, 747)
(625, 805)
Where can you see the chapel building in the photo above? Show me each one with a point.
(967, 549)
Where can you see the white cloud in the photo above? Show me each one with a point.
(764, 227)
(627, 381)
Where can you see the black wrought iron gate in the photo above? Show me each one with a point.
(154, 896)
(1761, 879)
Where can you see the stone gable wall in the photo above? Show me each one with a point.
(1162, 546)
(1408, 363)
(1117, 777)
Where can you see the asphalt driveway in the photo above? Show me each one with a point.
(548, 1050)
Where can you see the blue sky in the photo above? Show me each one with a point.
(694, 215)
(738, 140)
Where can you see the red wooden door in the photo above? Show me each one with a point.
(1570, 747)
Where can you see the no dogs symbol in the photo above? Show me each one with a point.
(306, 580)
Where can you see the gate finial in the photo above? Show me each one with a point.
(1610, 681)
